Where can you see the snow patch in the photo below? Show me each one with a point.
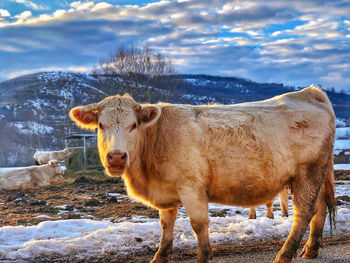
(341, 166)
(84, 238)
(340, 122)
(342, 133)
(32, 127)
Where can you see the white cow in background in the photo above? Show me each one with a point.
(42, 157)
(30, 176)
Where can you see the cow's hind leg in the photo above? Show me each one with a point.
(306, 187)
(310, 249)
(167, 221)
(325, 198)
(196, 205)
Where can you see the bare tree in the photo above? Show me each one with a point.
(138, 71)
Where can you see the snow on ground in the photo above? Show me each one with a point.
(86, 238)
(343, 132)
(83, 238)
(345, 166)
(341, 145)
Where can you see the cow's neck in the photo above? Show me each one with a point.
(142, 170)
(135, 181)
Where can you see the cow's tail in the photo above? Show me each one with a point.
(330, 198)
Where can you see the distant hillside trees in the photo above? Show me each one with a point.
(15, 148)
(144, 73)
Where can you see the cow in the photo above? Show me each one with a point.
(240, 155)
(42, 157)
(283, 195)
(31, 176)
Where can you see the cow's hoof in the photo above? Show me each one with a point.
(158, 259)
(282, 260)
(308, 253)
(270, 216)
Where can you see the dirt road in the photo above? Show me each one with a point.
(339, 253)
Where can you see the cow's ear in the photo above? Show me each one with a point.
(149, 115)
(84, 119)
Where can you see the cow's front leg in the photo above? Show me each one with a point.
(196, 205)
(252, 213)
(167, 221)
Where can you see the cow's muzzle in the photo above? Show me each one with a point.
(116, 161)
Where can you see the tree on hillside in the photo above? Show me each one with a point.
(144, 73)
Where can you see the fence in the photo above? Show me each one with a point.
(84, 151)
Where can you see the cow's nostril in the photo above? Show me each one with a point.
(109, 156)
(123, 156)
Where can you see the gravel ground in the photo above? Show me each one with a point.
(330, 254)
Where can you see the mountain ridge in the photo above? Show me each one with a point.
(34, 108)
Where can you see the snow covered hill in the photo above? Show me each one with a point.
(34, 108)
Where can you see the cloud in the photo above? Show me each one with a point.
(31, 4)
(296, 42)
(81, 69)
(24, 15)
(320, 28)
(4, 13)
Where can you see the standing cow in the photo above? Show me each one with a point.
(241, 155)
(30, 176)
(42, 157)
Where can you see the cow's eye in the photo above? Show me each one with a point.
(133, 127)
(101, 126)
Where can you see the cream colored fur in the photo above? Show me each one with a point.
(241, 155)
(43, 157)
(30, 176)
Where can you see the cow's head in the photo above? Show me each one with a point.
(120, 121)
(57, 166)
(67, 153)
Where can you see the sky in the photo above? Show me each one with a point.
(297, 43)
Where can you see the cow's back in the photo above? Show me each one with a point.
(15, 178)
(255, 148)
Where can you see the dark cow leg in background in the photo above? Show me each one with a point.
(284, 202)
(269, 210)
(167, 221)
(306, 190)
(196, 205)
